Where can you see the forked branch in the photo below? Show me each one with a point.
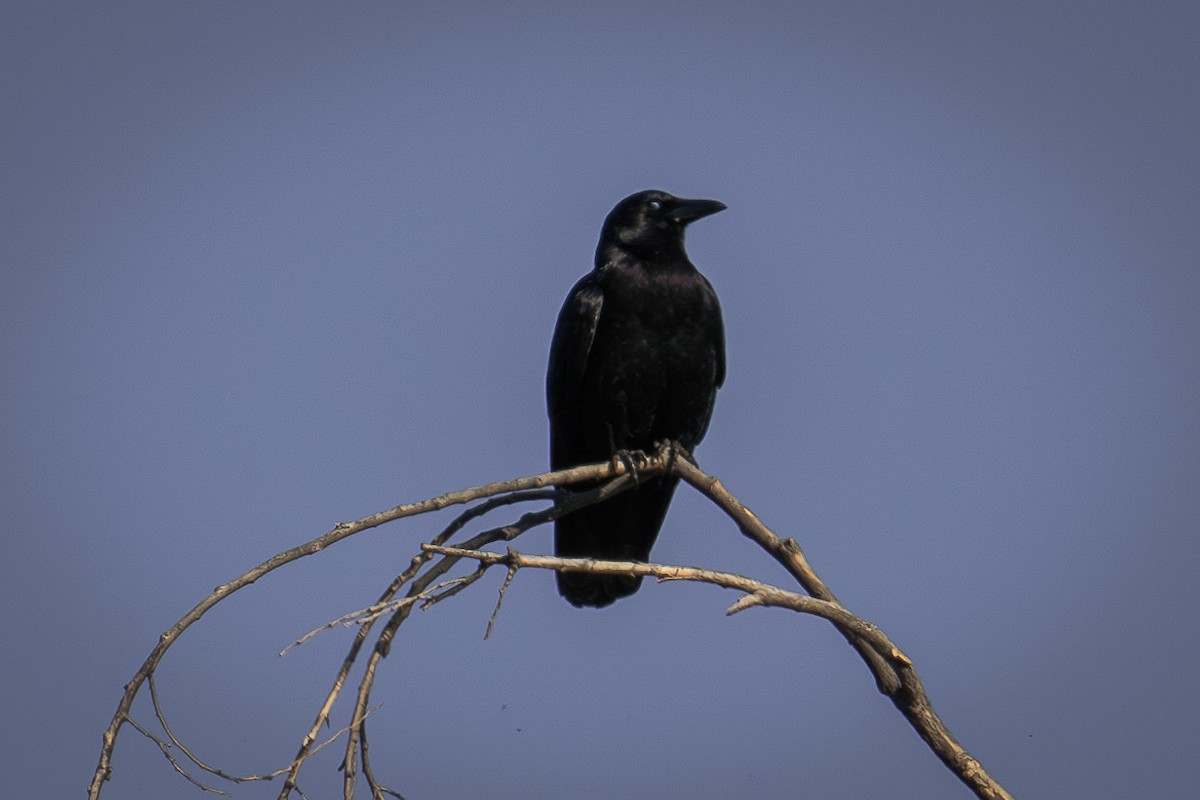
(425, 582)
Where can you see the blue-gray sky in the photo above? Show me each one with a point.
(268, 266)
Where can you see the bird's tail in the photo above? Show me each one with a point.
(622, 528)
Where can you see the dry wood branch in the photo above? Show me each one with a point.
(383, 644)
(898, 680)
(425, 581)
(910, 696)
(762, 594)
(165, 747)
(418, 561)
(173, 742)
(788, 554)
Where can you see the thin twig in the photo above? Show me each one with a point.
(417, 561)
(512, 573)
(420, 584)
(166, 751)
(565, 477)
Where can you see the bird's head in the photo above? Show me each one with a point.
(650, 224)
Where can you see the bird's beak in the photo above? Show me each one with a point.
(686, 211)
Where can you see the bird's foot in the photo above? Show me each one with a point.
(634, 461)
(674, 449)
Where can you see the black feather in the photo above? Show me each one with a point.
(637, 356)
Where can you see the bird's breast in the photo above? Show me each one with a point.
(658, 339)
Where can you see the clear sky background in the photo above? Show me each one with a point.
(270, 266)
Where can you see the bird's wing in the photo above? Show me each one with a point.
(571, 345)
(719, 343)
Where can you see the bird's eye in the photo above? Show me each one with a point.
(654, 205)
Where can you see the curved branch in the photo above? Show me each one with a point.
(896, 679)
(420, 584)
(909, 697)
(788, 554)
(564, 477)
(893, 671)
(757, 593)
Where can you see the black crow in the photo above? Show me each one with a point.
(637, 356)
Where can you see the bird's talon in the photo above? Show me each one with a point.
(635, 461)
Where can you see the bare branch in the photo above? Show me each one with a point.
(512, 573)
(622, 482)
(565, 477)
(166, 751)
(763, 594)
(787, 553)
(424, 582)
(894, 677)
